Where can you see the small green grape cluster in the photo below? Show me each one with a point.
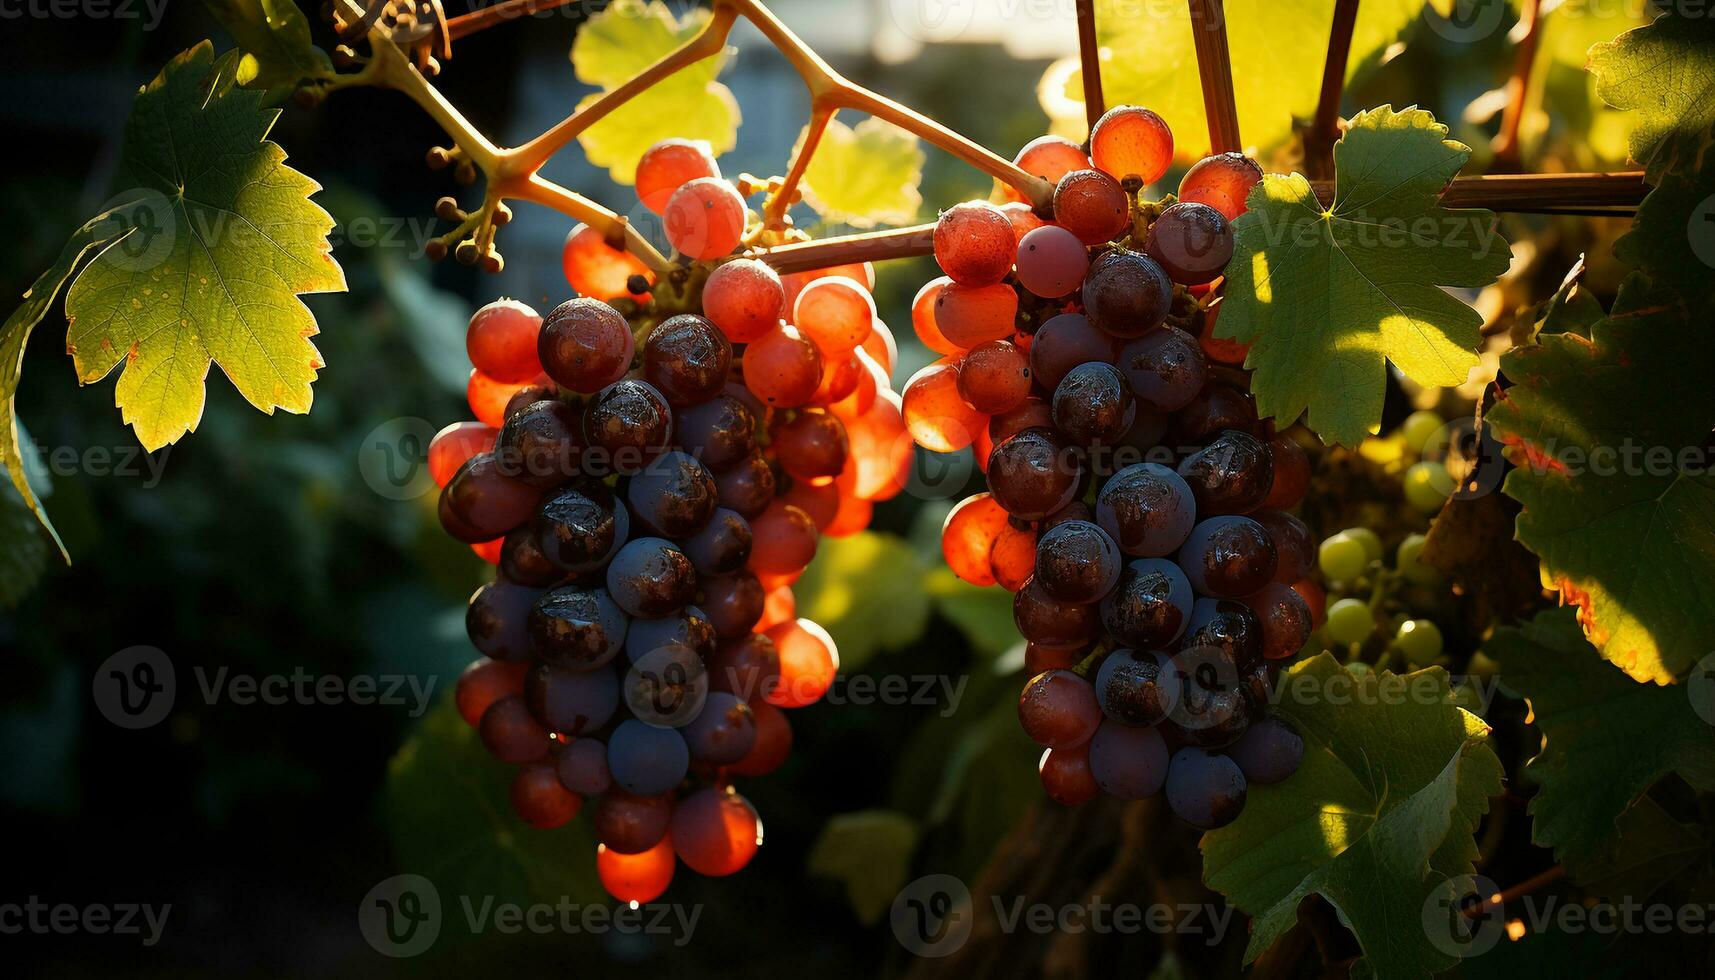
(1369, 603)
(1427, 482)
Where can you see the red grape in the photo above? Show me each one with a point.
(501, 341)
(670, 165)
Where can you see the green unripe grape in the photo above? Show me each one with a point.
(1371, 541)
(1342, 558)
(1420, 641)
(1409, 560)
(1417, 429)
(1350, 621)
(1427, 486)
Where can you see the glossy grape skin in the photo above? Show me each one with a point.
(1216, 408)
(669, 165)
(1049, 157)
(1223, 634)
(585, 345)
(1427, 486)
(969, 315)
(820, 500)
(1193, 242)
(1285, 618)
(1032, 413)
(994, 377)
(1342, 558)
(704, 219)
(510, 733)
(723, 732)
(974, 244)
(489, 398)
(674, 495)
(1291, 473)
(631, 824)
(1137, 687)
(715, 832)
(1268, 753)
(541, 444)
(501, 341)
(1058, 709)
(583, 767)
(495, 620)
(834, 313)
(811, 445)
(1420, 640)
(522, 560)
(1408, 559)
(1077, 562)
(1064, 342)
(690, 628)
(598, 270)
(783, 540)
(571, 702)
(1350, 621)
(650, 578)
(1093, 405)
(1127, 295)
(733, 603)
(1130, 141)
(1128, 763)
(783, 368)
(1231, 475)
(484, 682)
(1091, 205)
(629, 423)
(1229, 556)
(576, 628)
(773, 742)
(1012, 560)
(968, 536)
(1205, 789)
(1033, 475)
(1165, 368)
(686, 358)
(1041, 618)
(937, 417)
(745, 299)
(1150, 606)
(748, 667)
(862, 273)
(1147, 509)
(646, 760)
(1293, 544)
(1222, 181)
(481, 503)
(923, 317)
(1209, 715)
(809, 659)
(746, 486)
(579, 527)
(719, 432)
(722, 546)
(1024, 220)
(1052, 262)
(1217, 349)
(454, 445)
(636, 878)
(539, 799)
(1066, 777)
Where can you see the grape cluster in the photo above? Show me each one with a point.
(1136, 505)
(650, 470)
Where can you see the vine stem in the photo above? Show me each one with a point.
(1215, 68)
(1529, 29)
(465, 25)
(1325, 129)
(1090, 62)
(1523, 888)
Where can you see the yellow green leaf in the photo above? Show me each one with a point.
(865, 175)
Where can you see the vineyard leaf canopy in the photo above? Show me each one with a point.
(1149, 59)
(1605, 737)
(870, 851)
(867, 591)
(1325, 295)
(1619, 501)
(1679, 212)
(224, 239)
(1380, 813)
(617, 44)
(1666, 73)
(275, 38)
(865, 175)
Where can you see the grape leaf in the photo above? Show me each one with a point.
(865, 175)
(1619, 502)
(1380, 812)
(1150, 60)
(1650, 849)
(1323, 295)
(984, 615)
(446, 808)
(1666, 72)
(614, 46)
(1680, 211)
(867, 592)
(275, 39)
(870, 851)
(226, 238)
(1605, 738)
(23, 549)
(96, 233)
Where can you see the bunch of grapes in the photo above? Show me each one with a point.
(1137, 506)
(650, 469)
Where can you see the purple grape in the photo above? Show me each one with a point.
(583, 767)
(723, 731)
(1137, 687)
(1128, 763)
(1228, 556)
(1150, 606)
(1147, 509)
(645, 760)
(571, 702)
(1206, 790)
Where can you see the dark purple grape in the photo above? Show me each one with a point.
(1226, 627)
(674, 496)
(585, 345)
(650, 578)
(687, 359)
(540, 444)
(480, 503)
(748, 667)
(631, 824)
(1137, 687)
(580, 527)
(1128, 763)
(1061, 344)
(529, 395)
(522, 560)
(1032, 475)
(1058, 709)
(746, 486)
(723, 732)
(1205, 716)
(645, 760)
(1293, 543)
(1231, 475)
(1043, 619)
(571, 702)
(718, 432)
(722, 546)
(625, 425)
(690, 627)
(1093, 404)
(1151, 605)
(1285, 619)
(579, 629)
(583, 767)
(733, 603)
(1228, 556)
(1076, 561)
(1147, 509)
(1127, 294)
(1204, 789)
(497, 619)
(1193, 242)
(1269, 752)
(1165, 368)
(667, 685)
(1217, 407)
